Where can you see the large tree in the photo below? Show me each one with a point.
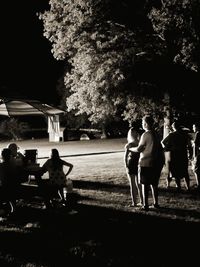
(177, 23)
(101, 50)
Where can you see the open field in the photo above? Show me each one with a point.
(105, 231)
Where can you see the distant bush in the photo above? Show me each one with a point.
(13, 129)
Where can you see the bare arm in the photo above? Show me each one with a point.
(125, 156)
(140, 147)
(69, 165)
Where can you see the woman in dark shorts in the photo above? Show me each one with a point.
(151, 161)
(131, 164)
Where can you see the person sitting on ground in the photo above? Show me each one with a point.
(57, 177)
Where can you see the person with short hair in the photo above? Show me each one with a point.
(16, 154)
(151, 161)
(178, 144)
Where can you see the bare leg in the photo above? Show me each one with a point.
(197, 177)
(61, 194)
(133, 188)
(154, 190)
(178, 183)
(169, 179)
(145, 193)
(187, 181)
(167, 165)
(139, 189)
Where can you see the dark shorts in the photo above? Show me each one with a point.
(149, 175)
(132, 163)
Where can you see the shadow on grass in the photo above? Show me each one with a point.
(98, 185)
(185, 213)
(95, 236)
(193, 194)
(94, 185)
(191, 214)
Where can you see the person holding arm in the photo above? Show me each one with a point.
(151, 161)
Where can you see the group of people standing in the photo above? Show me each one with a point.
(147, 153)
(147, 165)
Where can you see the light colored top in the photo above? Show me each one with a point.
(57, 176)
(150, 149)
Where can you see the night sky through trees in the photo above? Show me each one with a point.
(27, 66)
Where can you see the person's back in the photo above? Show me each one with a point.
(16, 155)
(152, 153)
(131, 163)
(150, 162)
(131, 158)
(196, 154)
(9, 180)
(8, 169)
(57, 177)
(54, 166)
(177, 143)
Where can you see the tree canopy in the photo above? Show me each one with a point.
(107, 44)
(177, 23)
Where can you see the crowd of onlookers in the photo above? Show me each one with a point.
(146, 154)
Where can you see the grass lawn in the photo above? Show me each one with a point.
(105, 231)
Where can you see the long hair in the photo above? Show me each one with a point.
(133, 136)
(55, 157)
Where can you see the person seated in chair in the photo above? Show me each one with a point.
(16, 155)
(9, 180)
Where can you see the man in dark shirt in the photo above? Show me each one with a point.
(196, 153)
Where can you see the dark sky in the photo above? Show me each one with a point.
(27, 65)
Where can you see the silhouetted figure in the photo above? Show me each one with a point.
(151, 161)
(9, 179)
(178, 144)
(57, 177)
(19, 160)
(131, 163)
(196, 153)
(16, 154)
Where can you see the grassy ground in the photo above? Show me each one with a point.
(104, 231)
